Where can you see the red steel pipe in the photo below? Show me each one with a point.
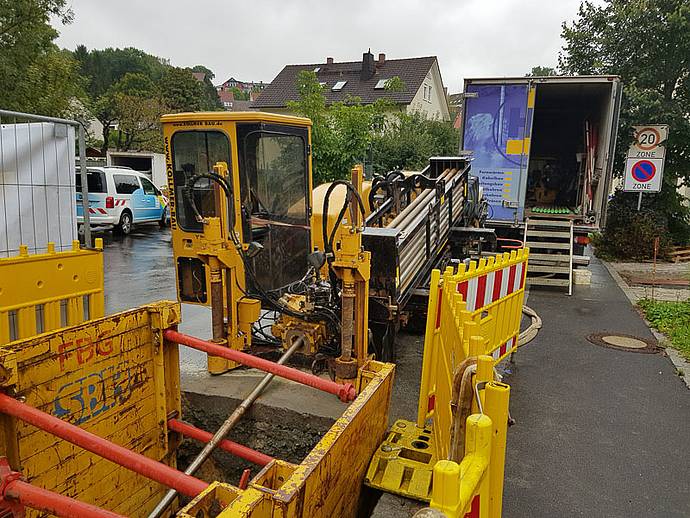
(239, 450)
(136, 462)
(345, 392)
(53, 503)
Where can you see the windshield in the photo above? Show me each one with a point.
(197, 152)
(274, 175)
(274, 182)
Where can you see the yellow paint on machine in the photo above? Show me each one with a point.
(44, 292)
(328, 482)
(112, 377)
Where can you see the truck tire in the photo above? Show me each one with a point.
(125, 225)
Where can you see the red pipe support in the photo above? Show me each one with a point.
(136, 462)
(345, 392)
(53, 503)
(238, 450)
(244, 479)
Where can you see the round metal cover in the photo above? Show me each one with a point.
(624, 342)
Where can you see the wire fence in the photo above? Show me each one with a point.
(37, 182)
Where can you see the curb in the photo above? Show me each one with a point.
(682, 366)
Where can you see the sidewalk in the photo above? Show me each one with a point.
(600, 432)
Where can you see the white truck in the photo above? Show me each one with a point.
(543, 148)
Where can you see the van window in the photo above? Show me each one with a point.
(95, 181)
(148, 187)
(126, 183)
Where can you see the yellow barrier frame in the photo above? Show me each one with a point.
(115, 377)
(45, 292)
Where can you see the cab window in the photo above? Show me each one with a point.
(197, 152)
(148, 187)
(126, 183)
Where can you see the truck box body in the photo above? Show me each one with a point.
(149, 163)
(543, 144)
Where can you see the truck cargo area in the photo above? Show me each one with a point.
(568, 151)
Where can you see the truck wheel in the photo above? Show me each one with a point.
(125, 225)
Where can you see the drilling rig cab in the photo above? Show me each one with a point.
(240, 209)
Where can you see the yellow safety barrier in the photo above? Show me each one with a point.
(484, 299)
(44, 292)
(473, 322)
(114, 377)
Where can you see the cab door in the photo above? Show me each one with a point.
(497, 127)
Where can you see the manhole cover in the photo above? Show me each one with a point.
(624, 342)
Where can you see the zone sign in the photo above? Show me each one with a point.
(649, 141)
(643, 174)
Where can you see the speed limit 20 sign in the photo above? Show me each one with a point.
(648, 141)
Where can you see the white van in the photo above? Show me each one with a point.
(121, 197)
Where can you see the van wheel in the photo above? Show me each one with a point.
(125, 225)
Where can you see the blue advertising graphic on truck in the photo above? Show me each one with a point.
(497, 130)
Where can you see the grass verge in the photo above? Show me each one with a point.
(672, 319)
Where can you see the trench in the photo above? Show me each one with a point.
(278, 432)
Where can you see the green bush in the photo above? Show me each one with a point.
(630, 234)
(672, 319)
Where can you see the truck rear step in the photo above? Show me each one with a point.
(552, 263)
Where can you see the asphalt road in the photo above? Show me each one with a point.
(599, 433)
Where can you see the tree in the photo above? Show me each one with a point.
(540, 71)
(409, 139)
(138, 109)
(212, 101)
(342, 133)
(35, 76)
(180, 92)
(647, 43)
(103, 70)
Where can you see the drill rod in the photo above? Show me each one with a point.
(224, 429)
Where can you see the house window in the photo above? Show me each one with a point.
(339, 86)
(427, 93)
(381, 84)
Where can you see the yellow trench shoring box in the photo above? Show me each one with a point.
(44, 292)
(473, 322)
(329, 481)
(112, 377)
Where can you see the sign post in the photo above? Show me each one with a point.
(644, 166)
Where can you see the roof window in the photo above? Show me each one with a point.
(339, 86)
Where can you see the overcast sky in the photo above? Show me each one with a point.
(253, 40)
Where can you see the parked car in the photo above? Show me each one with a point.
(120, 198)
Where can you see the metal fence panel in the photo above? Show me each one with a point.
(37, 186)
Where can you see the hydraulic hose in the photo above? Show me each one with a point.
(531, 332)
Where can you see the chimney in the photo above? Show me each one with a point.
(368, 66)
(382, 59)
(329, 61)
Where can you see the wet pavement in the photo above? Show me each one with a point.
(599, 432)
(139, 270)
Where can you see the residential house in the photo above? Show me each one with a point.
(244, 86)
(422, 91)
